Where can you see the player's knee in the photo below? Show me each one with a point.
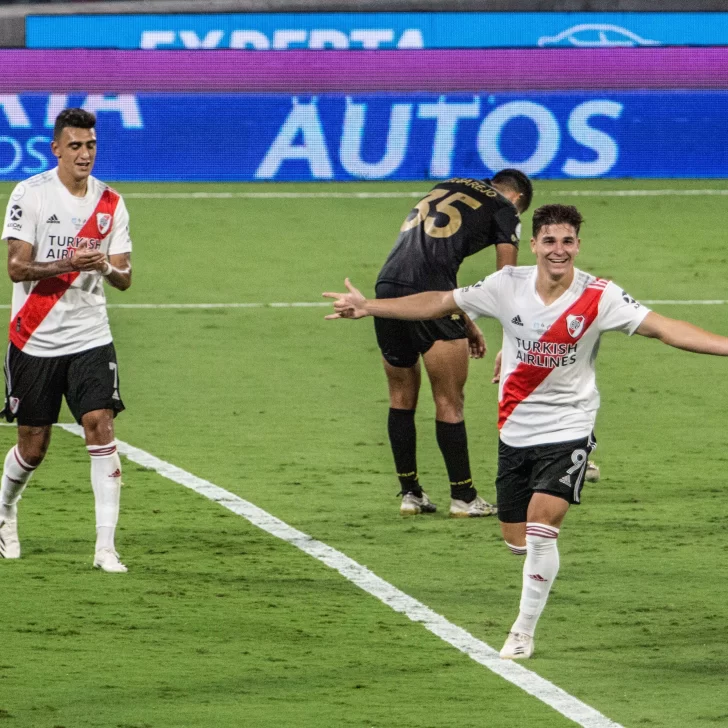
(449, 408)
(98, 426)
(33, 444)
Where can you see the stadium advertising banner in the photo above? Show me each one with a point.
(282, 31)
(408, 136)
(510, 69)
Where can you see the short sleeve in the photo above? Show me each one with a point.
(119, 239)
(21, 215)
(618, 311)
(506, 227)
(480, 299)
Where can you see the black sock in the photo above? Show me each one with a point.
(403, 438)
(453, 441)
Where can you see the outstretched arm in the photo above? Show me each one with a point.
(682, 335)
(417, 307)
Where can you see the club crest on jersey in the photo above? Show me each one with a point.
(574, 325)
(103, 220)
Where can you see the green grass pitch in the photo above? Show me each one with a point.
(218, 624)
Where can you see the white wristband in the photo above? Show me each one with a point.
(107, 269)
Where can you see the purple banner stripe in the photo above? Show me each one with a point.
(350, 71)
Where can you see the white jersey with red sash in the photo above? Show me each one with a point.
(65, 314)
(548, 390)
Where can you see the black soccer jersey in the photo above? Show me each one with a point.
(458, 218)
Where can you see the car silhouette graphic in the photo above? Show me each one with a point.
(596, 35)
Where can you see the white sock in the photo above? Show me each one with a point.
(539, 572)
(106, 484)
(16, 474)
(517, 550)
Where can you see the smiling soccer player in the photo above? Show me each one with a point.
(553, 316)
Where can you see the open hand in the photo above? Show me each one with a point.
(348, 305)
(476, 341)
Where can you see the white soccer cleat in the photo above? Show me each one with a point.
(108, 560)
(9, 542)
(412, 505)
(477, 508)
(592, 472)
(518, 646)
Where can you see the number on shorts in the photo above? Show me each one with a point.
(578, 457)
(114, 368)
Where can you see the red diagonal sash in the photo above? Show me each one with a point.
(49, 291)
(526, 377)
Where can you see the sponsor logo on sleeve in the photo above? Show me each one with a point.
(16, 212)
(629, 300)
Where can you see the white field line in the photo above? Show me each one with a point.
(403, 194)
(545, 691)
(319, 304)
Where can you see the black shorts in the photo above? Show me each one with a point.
(402, 342)
(35, 385)
(557, 469)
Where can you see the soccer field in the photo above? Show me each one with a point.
(219, 623)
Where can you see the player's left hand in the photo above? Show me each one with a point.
(497, 367)
(476, 341)
(348, 305)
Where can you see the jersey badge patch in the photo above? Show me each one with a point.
(574, 325)
(103, 220)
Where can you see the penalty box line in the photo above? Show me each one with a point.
(531, 683)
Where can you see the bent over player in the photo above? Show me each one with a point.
(553, 316)
(458, 218)
(67, 233)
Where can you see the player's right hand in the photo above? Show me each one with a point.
(348, 305)
(86, 259)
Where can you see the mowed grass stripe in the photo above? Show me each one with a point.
(401, 194)
(545, 691)
(320, 304)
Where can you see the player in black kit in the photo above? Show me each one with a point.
(456, 219)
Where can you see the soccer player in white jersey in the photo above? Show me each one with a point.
(67, 234)
(553, 316)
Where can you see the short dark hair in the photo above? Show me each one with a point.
(518, 182)
(556, 215)
(76, 118)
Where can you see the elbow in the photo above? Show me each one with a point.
(16, 273)
(124, 284)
